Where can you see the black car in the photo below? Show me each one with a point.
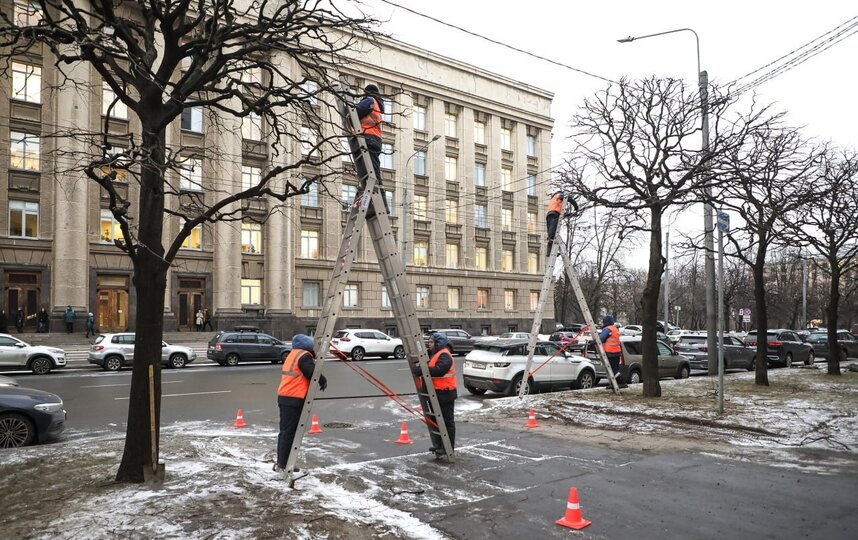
(737, 354)
(784, 347)
(847, 342)
(230, 348)
(28, 416)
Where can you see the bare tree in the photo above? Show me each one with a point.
(263, 62)
(638, 153)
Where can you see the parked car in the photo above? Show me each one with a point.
(230, 348)
(360, 343)
(737, 353)
(675, 335)
(28, 416)
(15, 353)
(513, 336)
(575, 327)
(461, 342)
(631, 330)
(670, 363)
(784, 347)
(499, 367)
(659, 325)
(114, 351)
(567, 339)
(845, 340)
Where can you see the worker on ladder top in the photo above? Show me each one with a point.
(552, 216)
(370, 110)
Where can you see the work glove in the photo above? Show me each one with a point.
(323, 385)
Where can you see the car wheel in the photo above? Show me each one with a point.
(753, 365)
(113, 363)
(41, 365)
(585, 380)
(177, 361)
(634, 377)
(788, 360)
(16, 430)
(811, 358)
(452, 350)
(515, 387)
(399, 352)
(683, 372)
(357, 354)
(475, 391)
(232, 359)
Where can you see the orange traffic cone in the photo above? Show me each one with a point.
(239, 420)
(531, 420)
(572, 518)
(315, 427)
(403, 435)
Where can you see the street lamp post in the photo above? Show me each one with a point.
(708, 226)
(405, 199)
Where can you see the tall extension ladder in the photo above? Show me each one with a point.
(545, 292)
(393, 272)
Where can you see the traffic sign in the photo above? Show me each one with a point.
(747, 312)
(723, 222)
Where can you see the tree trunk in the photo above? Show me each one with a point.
(833, 306)
(649, 306)
(150, 282)
(762, 368)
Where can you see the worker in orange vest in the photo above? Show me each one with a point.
(552, 215)
(610, 338)
(370, 110)
(442, 368)
(294, 382)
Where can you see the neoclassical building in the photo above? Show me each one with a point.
(466, 155)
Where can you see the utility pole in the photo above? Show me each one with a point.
(708, 233)
(803, 293)
(404, 204)
(666, 279)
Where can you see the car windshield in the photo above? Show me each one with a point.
(692, 339)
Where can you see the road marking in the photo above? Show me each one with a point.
(123, 384)
(188, 394)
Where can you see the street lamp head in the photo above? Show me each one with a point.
(628, 39)
(435, 138)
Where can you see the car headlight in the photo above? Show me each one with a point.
(49, 407)
(57, 351)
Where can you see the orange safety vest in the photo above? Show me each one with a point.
(371, 123)
(612, 344)
(293, 383)
(448, 380)
(555, 204)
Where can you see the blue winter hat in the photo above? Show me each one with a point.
(607, 320)
(302, 341)
(440, 339)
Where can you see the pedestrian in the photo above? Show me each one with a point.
(69, 317)
(199, 320)
(90, 324)
(552, 216)
(442, 368)
(610, 338)
(19, 320)
(207, 319)
(295, 378)
(4, 322)
(43, 320)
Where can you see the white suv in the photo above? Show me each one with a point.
(499, 367)
(359, 343)
(39, 360)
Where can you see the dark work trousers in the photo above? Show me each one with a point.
(208, 324)
(70, 327)
(614, 360)
(447, 411)
(290, 414)
(551, 221)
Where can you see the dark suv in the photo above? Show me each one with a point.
(461, 342)
(784, 347)
(230, 348)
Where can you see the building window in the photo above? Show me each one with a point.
(450, 124)
(346, 155)
(111, 105)
(420, 118)
(250, 177)
(506, 139)
(482, 299)
(531, 222)
(311, 89)
(533, 262)
(421, 253)
(118, 164)
(480, 216)
(534, 300)
(531, 185)
(508, 299)
(506, 260)
(348, 194)
(386, 156)
(309, 140)
(506, 219)
(251, 237)
(422, 297)
(26, 82)
(251, 127)
(452, 255)
(251, 291)
(454, 298)
(450, 166)
(481, 256)
(311, 198)
(385, 298)
(110, 229)
(479, 132)
(192, 119)
(480, 174)
(251, 75)
(350, 295)
(451, 211)
(24, 153)
(531, 145)
(420, 163)
(311, 294)
(23, 219)
(27, 14)
(420, 206)
(194, 240)
(388, 196)
(310, 244)
(506, 179)
(191, 175)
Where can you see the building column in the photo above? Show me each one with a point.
(227, 234)
(279, 252)
(467, 156)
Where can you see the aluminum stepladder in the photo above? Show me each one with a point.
(393, 272)
(547, 284)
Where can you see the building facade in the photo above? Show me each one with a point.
(471, 202)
